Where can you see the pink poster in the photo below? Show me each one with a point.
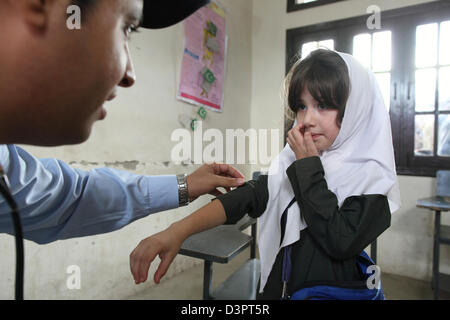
(203, 66)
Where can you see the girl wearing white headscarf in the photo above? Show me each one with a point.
(336, 176)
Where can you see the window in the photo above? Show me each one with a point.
(432, 78)
(308, 47)
(410, 57)
(294, 5)
(374, 52)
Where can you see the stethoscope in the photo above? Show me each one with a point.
(5, 191)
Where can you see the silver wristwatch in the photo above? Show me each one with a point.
(183, 194)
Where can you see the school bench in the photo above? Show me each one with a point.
(221, 245)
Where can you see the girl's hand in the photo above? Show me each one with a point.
(166, 244)
(302, 144)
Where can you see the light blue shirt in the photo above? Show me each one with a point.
(57, 202)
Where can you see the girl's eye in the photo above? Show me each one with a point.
(323, 106)
(301, 107)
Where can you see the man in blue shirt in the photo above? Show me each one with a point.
(54, 82)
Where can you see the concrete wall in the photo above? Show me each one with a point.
(406, 247)
(135, 137)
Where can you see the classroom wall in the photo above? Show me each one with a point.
(406, 247)
(135, 137)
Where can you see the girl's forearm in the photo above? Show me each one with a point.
(207, 217)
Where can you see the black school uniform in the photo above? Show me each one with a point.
(328, 247)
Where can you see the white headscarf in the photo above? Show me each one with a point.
(360, 161)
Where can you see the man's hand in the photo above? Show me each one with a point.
(302, 144)
(209, 177)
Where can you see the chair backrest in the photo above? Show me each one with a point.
(443, 183)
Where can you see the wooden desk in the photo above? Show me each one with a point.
(441, 236)
(221, 245)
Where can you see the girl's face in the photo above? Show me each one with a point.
(318, 119)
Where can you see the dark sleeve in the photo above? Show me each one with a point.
(343, 232)
(249, 198)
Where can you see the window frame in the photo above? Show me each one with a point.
(402, 112)
(292, 6)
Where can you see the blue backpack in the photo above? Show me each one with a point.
(343, 290)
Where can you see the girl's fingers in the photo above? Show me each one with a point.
(132, 265)
(309, 143)
(151, 251)
(140, 260)
(290, 141)
(143, 269)
(300, 127)
(291, 135)
(143, 265)
(166, 260)
(135, 266)
(298, 137)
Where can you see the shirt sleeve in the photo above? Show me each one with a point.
(58, 202)
(250, 198)
(342, 232)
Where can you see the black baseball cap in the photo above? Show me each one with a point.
(164, 13)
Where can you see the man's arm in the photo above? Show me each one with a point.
(57, 202)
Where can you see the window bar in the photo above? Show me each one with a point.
(436, 103)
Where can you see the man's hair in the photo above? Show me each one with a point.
(325, 74)
(84, 4)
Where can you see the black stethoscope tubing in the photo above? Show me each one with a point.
(5, 191)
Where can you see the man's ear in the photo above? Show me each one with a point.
(33, 12)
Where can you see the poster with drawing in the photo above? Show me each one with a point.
(203, 67)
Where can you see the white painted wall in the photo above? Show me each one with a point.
(138, 128)
(406, 247)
